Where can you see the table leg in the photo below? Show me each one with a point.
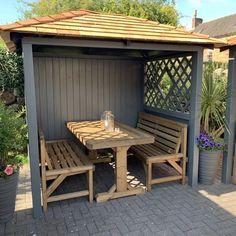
(121, 168)
(121, 188)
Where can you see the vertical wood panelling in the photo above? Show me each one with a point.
(37, 84)
(57, 97)
(69, 89)
(76, 85)
(81, 89)
(64, 95)
(117, 89)
(43, 96)
(100, 85)
(94, 74)
(50, 91)
(106, 91)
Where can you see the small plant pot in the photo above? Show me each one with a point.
(208, 163)
(8, 188)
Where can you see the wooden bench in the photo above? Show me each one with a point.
(60, 159)
(169, 147)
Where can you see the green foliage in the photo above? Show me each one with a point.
(163, 11)
(2, 44)
(213, 98)
(13, 137)
(166, 84)
(11, 72)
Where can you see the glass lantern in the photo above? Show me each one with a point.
(107, 119)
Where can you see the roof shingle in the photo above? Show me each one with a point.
(89, 24)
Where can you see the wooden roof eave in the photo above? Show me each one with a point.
(209, 43)
(5, 35)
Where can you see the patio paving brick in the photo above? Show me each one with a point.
(170, 209)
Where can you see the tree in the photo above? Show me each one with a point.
(163, 11)
(11, 72)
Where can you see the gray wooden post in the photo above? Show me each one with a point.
(229, 135)
(194, 122)
(33, 149)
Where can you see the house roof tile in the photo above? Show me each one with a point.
(219, 28)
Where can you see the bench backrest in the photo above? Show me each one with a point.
(170, 136)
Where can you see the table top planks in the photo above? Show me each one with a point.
(93, 135)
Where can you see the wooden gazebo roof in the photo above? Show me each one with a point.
(231, 40)
(89, 24)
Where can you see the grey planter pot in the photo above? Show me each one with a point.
(208, 163)
(8, 188)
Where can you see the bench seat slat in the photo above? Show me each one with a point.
(81, 154)
(138, 150)
(70, 156)
(148, 150)
(66, 155)
(164, 148)
(59, 154)
(52, 156)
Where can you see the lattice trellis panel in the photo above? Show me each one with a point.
(167, 84)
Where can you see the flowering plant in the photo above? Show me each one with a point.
(13, 140)
(207, 142)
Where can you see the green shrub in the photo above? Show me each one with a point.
(11, 72)
(13, 138)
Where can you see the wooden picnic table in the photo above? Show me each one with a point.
(93, 136)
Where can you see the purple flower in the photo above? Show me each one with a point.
(207, 142)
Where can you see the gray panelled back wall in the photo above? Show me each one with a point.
(81, 89)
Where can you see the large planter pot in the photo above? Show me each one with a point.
(208, 163)
(8, 188)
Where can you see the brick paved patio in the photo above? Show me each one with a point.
(170, 209)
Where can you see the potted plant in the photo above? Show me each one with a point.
(210, 152)
(213, 106)
(12, 143)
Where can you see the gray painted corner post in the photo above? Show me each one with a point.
(33, 149)
(229, 136)
(194, 121)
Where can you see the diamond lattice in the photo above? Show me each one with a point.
(167, 84)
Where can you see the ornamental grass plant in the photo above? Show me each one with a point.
(213, 103)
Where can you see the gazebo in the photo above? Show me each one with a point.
(229, 161)
(78, 64)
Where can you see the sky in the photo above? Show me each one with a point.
(207, 9)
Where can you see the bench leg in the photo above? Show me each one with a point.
(149, 177)
(44, 193)
(45, 205)
(90, 185)
(183, 163)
